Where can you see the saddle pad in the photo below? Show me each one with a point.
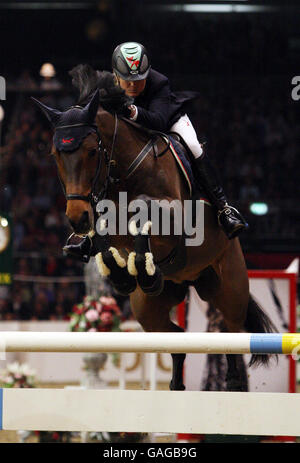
(183, 163)
(186, 169)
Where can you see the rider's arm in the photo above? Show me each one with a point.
(157, 117)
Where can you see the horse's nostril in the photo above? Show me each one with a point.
(82, 225)
(84, 220)
(73, 224)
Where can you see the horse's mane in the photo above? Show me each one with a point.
(87, 80)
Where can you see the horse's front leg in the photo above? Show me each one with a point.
(112, 265)
(141, 261)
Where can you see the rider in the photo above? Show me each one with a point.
(158, 108)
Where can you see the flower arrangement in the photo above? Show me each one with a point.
(21, 375)
(53, 436)
(117, 437)
(101, 314)
(17, 375)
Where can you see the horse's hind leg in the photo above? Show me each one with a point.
(153, 313)
(232, 298)
(236, 377)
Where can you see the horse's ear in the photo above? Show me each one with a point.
(53, 115)
(92, 107)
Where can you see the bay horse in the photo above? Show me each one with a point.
(99, 154)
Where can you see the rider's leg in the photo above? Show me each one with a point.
(229, 218)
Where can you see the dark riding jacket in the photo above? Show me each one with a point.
(158, 107)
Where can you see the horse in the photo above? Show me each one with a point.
(100, 153)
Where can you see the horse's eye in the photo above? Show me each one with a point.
(92, 153)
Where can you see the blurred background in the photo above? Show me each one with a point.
(240, 55)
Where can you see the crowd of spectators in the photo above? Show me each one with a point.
(252, 131)
(31, 192)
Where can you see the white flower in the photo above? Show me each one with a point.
(82, 324)
(9, 379)
(26, 370)
(14, 368)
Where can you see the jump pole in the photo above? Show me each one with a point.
(206, 343)
(191, 412)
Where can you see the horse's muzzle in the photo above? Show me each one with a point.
(82, 226)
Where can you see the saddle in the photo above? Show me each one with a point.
(181, 152)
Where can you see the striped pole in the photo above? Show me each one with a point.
(208, 343)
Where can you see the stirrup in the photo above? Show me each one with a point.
(227, 211)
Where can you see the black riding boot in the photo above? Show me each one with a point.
(229, 218)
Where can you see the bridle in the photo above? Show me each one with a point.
(94, 196)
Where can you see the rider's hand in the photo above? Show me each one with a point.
(132, 111)
(126, 111)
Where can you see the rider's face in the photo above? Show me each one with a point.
(133, 89)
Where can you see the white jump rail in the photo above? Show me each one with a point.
(243, 413)
(208, 343)
(150, 411)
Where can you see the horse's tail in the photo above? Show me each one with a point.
(258, 322)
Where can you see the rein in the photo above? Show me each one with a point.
(94, 197)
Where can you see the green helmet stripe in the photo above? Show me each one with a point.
(132, 54)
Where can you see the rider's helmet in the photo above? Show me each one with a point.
(130, 61)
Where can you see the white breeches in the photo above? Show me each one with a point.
(185, 128)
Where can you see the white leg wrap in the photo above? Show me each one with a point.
(103, 269)
(146, 228)
(132, 270)
(118, 258)
(132, 228)
(150, 267)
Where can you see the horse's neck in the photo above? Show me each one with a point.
(129, 141)
(119, 139)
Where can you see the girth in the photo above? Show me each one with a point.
(175, 260)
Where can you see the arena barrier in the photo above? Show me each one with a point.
(243, 413)
(191, 412)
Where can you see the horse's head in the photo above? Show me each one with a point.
(76, 148)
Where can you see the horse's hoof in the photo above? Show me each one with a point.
(125, 288)
(155, 289)
(176, 387)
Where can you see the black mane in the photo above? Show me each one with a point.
(87, 80)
